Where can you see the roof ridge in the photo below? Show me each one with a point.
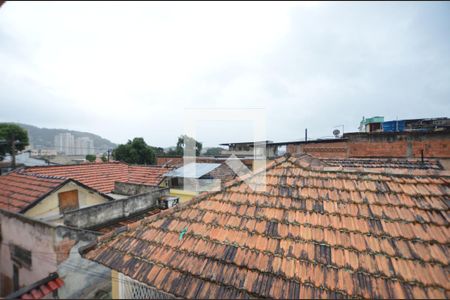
(304, 161)
(75, 164)
(37, 175)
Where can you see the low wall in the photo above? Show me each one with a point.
(102, 213)
(131, 189)
(383, 145)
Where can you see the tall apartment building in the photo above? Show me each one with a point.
(84, 146)
(65, 143)
(69, 145)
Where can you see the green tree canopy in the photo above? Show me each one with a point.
(91, 157)
(184, 140)
(13, 138)
(158, 151)
(135, 152)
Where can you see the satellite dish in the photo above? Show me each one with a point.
(336, 133)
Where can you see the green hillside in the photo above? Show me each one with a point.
(44, 137)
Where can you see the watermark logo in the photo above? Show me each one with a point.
(253, 151)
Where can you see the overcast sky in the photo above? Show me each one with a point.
(123, 70)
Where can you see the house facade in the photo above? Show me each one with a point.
(45, 197)
(47, 213)
(31, 250)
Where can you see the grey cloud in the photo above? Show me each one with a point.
(337, 63)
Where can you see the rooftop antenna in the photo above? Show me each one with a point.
(342, 125)
(336, 133)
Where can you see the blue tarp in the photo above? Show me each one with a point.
(393, 126)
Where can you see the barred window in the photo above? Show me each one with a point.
(132, 289)
(21, 256)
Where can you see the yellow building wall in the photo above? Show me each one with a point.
(182, 194)
(50, 205)
(115, 285)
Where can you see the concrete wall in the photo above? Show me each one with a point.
(50, 205)
(34, 236)
(53, 249)
(131, 189)
(385, 145)
(103, 213)
(83, 278)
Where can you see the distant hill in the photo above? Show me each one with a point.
(45, 137)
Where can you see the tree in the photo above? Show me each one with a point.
(184, 140)
(214, 151)
(158, 151)
(13, 138)
(103, 158)
(135, 152)
(91, 157)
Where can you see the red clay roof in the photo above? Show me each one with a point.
(385, 163)
(19, 190)
(101, 177)
(316, 232)
(44, 289)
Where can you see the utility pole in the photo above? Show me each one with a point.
(109, 150)
(13, 152)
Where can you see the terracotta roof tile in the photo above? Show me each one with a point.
(17, 190)
(101, 177)
(312, 233)
(383, 163)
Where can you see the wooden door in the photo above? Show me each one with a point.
(68, 201)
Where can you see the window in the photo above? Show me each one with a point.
(68, 201)
(176, 182)
(21, 256)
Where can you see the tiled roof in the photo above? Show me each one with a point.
(385, 163)
(315, 232)
(101, 177)
(18, 190)
(39, 289)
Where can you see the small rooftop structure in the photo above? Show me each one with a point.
(246, 143)
(378, 124)
(249, 149)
